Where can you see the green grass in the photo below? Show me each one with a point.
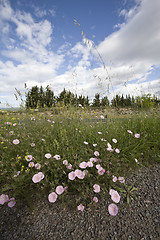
(66, 138)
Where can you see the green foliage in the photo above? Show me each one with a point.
(64, 134)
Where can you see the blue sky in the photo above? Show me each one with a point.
(41, 44)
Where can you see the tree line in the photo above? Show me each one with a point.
(39, 98)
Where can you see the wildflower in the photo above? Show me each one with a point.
(4, 198)
(114, 196)
(59, 190)
(95, 199)
(117, 150)
(136, 160)
(101, 171)
(109, 147)
(79, 174)
(96, 188)
(38, 177)
(94, 160)
(121, 179)
(37, 165)
(57, 157)
(52, 197)
(94, 144)
(31, 164)
(137, 135)
(11, 202)
(96, 153)
(80, 207)
(16, 141)
(98, 166)
(86, 143)
(43, 139)
(65, 162)
(83, 165)
(48, 155)
(28, 158)
(129, 131)
(14, 124)
(114, 140)
(99, 132)
(89, 164)
(71, 175)
(102, 117)
(114, 179)
(113, 209)
(33, 144)
(69, 166)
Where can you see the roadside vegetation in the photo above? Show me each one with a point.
(75, 155)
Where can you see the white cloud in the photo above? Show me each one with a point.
(132, 49)
(136, 43)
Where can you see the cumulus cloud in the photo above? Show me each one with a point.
(137, 41)
(130, 54)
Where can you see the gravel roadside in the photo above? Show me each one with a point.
(50, 221)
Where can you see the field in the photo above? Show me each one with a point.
(74, 155)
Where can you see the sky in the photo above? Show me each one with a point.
(103, 46)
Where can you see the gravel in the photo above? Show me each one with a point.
(139, 221)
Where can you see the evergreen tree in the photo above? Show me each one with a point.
(96, 100)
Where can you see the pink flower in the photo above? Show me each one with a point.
(57, 157)
(96, 153)
(48, 155)
(114, 196)
(99, 132)
(93, 160)
(94, 144)
(59, 190)
(52, 197)
(102, 117)
(89, 164)
(33, 144)
(117, 150)
(69, 166)
(16, 141)
(11, 202)
(96, 188)
(121, 179)
(137, 135)
(31, 164)
(80, 207)
(4, 198)
(71, 175)
(37, 165)
(83, 165)
(114, 140)
(95, 199)
(98, 166)
(86, 143)
(114, 179)
(65, 162)
(101, 171)
(28, 158)
(113, 209)
(109, 147)
(129, 131)
(79, 174)
(38, 177)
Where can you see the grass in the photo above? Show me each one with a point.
(63, 132)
